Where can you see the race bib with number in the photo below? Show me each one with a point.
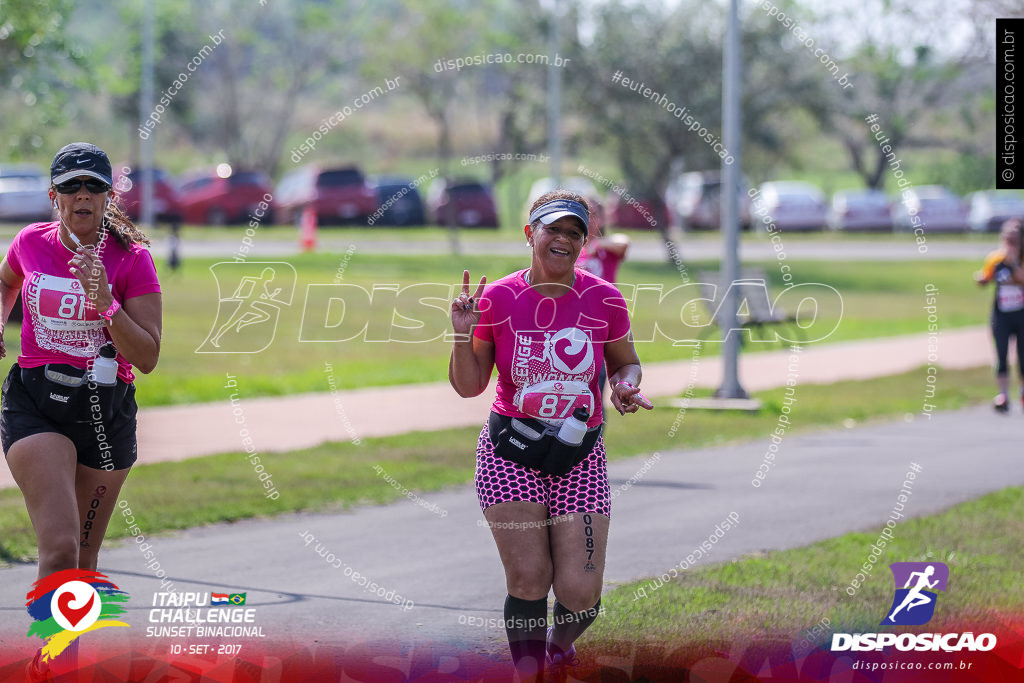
(554, 400)
(1011, 298)
(63, 319)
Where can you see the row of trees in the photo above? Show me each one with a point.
(288, 63)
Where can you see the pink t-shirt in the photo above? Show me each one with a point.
(60, 325)
(601, 262)
(539, 339)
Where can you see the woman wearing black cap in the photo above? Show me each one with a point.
(548, 329)
(90, 291)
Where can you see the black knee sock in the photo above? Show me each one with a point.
(526, 624)
(569, 626)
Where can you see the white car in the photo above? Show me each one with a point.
(790, 205)
(695, 201)
(936, 208)
(857, 210)
(991, 208)
(24, 193)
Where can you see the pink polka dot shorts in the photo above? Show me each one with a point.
(584, 488)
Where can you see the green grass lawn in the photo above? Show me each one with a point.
(876, 300)
(223, 488)
(780, 596)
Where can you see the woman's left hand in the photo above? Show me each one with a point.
(88, 268)
(627, 398)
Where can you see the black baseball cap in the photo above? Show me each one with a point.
(78, 159)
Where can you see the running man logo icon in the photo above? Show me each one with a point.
(247, 319)
(914, 603)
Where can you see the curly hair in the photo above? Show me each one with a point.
(563, 194)
(125, 232)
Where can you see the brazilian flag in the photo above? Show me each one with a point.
(237, 598)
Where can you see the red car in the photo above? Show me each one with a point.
(128, 186)
(339, 194)
(649, 213)
(209, 199)
(468, 204)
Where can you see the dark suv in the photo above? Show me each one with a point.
(463, 202)
(338, 194)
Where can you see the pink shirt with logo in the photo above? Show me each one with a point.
(60, 325)
(539, 338)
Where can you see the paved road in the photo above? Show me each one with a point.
(301, 421)
(822, 485)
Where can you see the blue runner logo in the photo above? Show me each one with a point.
(914, 602)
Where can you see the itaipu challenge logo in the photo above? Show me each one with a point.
(69, 603)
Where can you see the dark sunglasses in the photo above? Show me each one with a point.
(93, 185)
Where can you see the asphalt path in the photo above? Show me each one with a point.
(821, 485)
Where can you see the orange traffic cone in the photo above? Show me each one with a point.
(308, 230)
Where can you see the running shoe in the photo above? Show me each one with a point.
(560, 665)
(1001, 404)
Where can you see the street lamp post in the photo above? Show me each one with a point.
(731, 139)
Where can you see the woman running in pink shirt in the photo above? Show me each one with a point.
(548, 329)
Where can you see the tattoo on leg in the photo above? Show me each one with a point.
(91, 515)
(588, 531)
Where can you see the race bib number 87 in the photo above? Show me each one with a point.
(555, 400)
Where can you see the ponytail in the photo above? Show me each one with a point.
(120, 225)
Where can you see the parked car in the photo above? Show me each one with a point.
(937, 209)
(989, 209)
(128, 186)
(638, 213)
(339, 194)
(406, 204)
(574, 183)
(24, 193)
(695, 201)
(860, 210)
(223, 196)
(469, 203)
(790, 205)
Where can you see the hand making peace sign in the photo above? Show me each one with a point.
(465, 314)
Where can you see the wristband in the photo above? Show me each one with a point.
(111, 312)
(622, 381)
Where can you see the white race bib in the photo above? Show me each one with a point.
(1011, 298)
(554, 400)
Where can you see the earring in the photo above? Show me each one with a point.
(55, 203)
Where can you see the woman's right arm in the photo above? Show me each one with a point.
(984, 276)
(470, 366)
(10, 285)
(472, 359)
